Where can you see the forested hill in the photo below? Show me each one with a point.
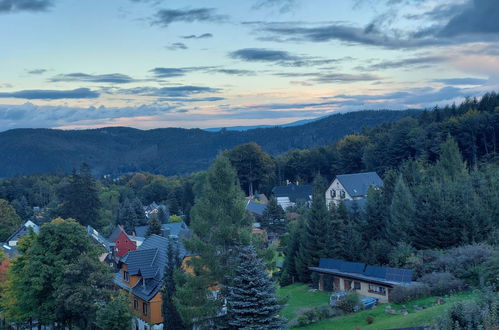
(167, 151)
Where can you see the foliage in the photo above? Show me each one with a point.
(312, 315)
(154, 227)
(442, 283)
(251, 301)
(171, 316)
(403, 294)
(115, 315)
(175, 218)
(274, 217)
(480, 314)
(58, 277)
(79, 198)
(219, 224)
(9, 220)
(349, 303)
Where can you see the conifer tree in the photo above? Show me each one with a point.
(315, 236)
(274, 217)
(402, 210)
(289, 274)
(79, 198)
(138, 208)
(219, 224)
(335, 244)
(251, 302)
(376, 215)
(127, 216)
(154, 227)
(171, 317)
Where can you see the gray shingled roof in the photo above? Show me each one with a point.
(179, 229)
(255, 207)
(98, 237)
(357, 184)
(23, 230)
(302, 192)
(149, 262)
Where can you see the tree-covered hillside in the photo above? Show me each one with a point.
(167, 151)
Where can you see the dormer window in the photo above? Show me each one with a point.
(126, 276)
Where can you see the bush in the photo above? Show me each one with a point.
(312, 315)
(490, 271)
(481, 314)
(442, 283)
(403, 294)
(370, 319)
(349, 303)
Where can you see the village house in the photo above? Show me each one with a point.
(10, 245)
(140, 273)
(255, 208)
(352, 187)
(121, 243)
(369, 281)
(291, 194)
(172, 229)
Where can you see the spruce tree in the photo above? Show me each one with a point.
(289, 274)
(171, 317)
(219, 224)
(154, 227)
(274, 217)
(138, 208)
(336, 244)
(251, 302)
(376, 215)
(402, 210)
(127, 217)
(315, 236)
(79, 198)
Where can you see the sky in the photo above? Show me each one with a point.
(76, 64)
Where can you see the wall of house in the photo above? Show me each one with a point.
(153, 309)
(343, 284)
(124, 245)
(133, 278)
(337, 186)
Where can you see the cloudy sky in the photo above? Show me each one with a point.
(212, 63)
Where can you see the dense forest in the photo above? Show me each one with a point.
(167, 151)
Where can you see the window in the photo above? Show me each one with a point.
(126, 276)
(144, 308)
(135, 304)
(356, 285)
(333, 193)
(342, 193)
(381, 290)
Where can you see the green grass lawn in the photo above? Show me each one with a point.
(299, 298)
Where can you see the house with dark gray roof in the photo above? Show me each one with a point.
(140, 273)
(368, 281)
(352, 187)
(291, 194)
(171, 229)
(23, 230)
(256, 208)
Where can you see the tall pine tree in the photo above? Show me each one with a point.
(171, 317)
(400, 226)
(251, 302)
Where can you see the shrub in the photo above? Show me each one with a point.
(442, 283)
(481, 314)
(370, 319)
(490, 271)
(349, 303)
(403, 294)
(312, 315)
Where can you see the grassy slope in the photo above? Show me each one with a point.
(299, 298)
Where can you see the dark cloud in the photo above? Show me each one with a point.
(165, 17)
(37, 71)
(178, 72)
(462, 81)
(192, 99)
(278, 57)
(115, 78)
(283, 5)
(40, 94)
(200, 36)
(178, 91)
(8, 6)
(344, 78)
(416, 97)
(481, 17)
(177, 46)
(422, 61)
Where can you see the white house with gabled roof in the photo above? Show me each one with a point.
(351, 187)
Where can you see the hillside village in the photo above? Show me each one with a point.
(355, 242)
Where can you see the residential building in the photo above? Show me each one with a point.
(22, 231)
(352, 187)
(121, 243)
(171, 229)
(255, 208)
(140, 273)
(291, 194)
(369, 281)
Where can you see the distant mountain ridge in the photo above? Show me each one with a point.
(246, 128)
(168, 151)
